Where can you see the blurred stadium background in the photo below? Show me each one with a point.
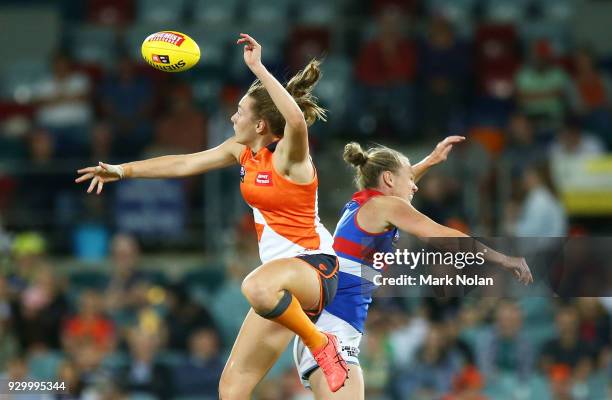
(136, 293)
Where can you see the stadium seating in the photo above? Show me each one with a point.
(215, 12)
(161, 11)
(319, 13)
(93, 44)
(19, 78)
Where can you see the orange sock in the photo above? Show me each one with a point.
(295, 319)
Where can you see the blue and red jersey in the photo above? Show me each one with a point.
(355, 248)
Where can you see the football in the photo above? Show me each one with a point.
(170, 51)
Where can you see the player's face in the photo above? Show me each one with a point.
(244, 121)
(404, 185)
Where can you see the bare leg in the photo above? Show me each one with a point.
(264, 286)
(261, 341)
(259, 344)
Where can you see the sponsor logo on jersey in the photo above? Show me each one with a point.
(168, 37)
(263, 179)
(158, 58)
(242, 173)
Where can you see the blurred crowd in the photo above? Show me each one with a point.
(133, 331)
(120, 331)
(531, 98)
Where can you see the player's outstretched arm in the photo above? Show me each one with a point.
(438, 155)
(174, 166)
(295, 137)
(400, 213)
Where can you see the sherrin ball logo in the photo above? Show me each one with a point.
(170, 51)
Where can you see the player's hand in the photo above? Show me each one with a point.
(518, 266)
(440, 153)
(99, 175)
(252, 51)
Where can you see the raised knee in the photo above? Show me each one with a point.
(230, 389)
(259, 294)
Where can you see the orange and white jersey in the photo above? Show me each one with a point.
(286, 213)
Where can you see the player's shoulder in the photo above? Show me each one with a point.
(385, 199)
(387, 203)
(234, 148)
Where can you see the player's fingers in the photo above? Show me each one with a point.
(84, 177)
(104, 166)
(100, 185)
(530, 276)
(246, 38)
(86, 170)
(250, 39)
(455, 138)
(92, 185)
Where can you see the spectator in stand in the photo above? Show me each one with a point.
(566, 348)
(452, 327)
(39, 190)
(40, 311)
(88, 361)
(540, 213)
(542, 87)
(467, 386)
(183, 317)
(573, 142)
(126, 275)
(183, 129)
(591, 94)
(435, 365)
(144, 374)
(385, 71)
(228, 296)
(102, 142)
(13, 130)
(88, 326)
(521, 149)
(595, 324)
(127, 101)
(506, 348)
(64, 106)
(570, 146)
(17, 369)
(375, 362)
(444, 70)
(434, 197)
(28, 250)
(71, 377)
(560, 377)
(199, 375)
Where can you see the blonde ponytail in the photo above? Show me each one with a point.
(370, 164)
